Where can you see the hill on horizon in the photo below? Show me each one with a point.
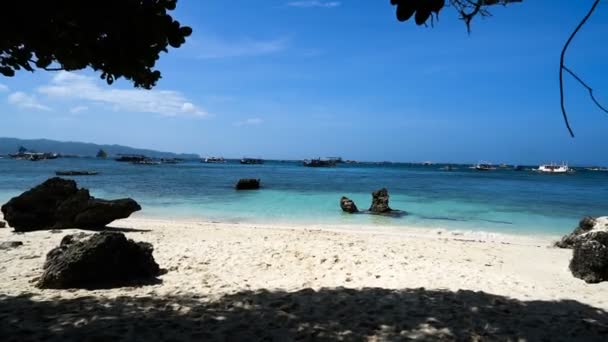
(82, 149)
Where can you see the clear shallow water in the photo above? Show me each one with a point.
(501, 201)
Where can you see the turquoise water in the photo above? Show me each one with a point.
(501, 201)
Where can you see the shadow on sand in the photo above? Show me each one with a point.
(305, 315)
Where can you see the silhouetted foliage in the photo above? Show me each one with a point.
(305, 315)
(422, 10)
(119, 38)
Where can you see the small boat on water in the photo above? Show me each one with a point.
(595, 168)
(554, 168)
(214, 160)
(484, 167)
(76, 173)
(319, 162)
(130, 158)
(251, 161)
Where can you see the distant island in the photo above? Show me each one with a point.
(81, 149)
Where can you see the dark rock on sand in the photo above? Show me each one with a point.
(584, 226)
(248, 184)
(348, 205)
(590, 258)
(58, 203)
(380, 201)
(102, 260)
(2, 224)
(10, 244)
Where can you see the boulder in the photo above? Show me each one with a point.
(380, 201)
(2, 224)
(590, 258)
(586, 225)
(348, 205)
(10, 244)
(102, 260)
(248, 184)
(58, 203)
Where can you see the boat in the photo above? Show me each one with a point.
(214, 160)
(252, 161)
(484, 167)
(319, 162)
(146, 161)
(131, 158)
(596, 168)
(76, 173)
(554, 168)
(34, 156)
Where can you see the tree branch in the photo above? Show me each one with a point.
(586, 86)
(562, 68)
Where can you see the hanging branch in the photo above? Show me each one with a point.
(562, 67)
(586, 86)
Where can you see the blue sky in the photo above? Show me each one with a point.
(299, 79)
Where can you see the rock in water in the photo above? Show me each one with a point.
(380, 201)
(102, 260)
(58, 203)
(348, 205)
(590, 258)
(248, 184)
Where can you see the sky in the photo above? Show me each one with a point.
(282, 79)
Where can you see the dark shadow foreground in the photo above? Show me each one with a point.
(306, 315)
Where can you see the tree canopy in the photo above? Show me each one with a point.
(118, 38)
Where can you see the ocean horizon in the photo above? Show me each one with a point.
(503, 200)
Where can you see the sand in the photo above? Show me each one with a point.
(262, 282)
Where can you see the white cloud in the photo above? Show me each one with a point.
(72, 86)
(249, 122)
(214, 47)
(78, 109)
(314, 3)
(26, 101)
(3, 87)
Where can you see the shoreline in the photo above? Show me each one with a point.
(399, 230)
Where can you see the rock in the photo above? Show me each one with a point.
(380, 201)
(585, 226)
(348, 205)
(248, 184)
(10, 244)
(590, 258)
(58, 203)
(2, 224)
(102, 260)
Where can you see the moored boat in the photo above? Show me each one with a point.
(214, 160)
(76, 173)
(251, 161)
(484, 167)
(319, 162)
(554, 168)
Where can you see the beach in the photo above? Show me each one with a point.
(228, 281)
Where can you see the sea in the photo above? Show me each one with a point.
(502, 200)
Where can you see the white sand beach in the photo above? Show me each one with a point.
(249, 282)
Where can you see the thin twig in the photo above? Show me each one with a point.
(586, 86)
(561, 67)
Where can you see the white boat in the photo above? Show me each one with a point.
(214, 160)
(554, 168)
(484, 167)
